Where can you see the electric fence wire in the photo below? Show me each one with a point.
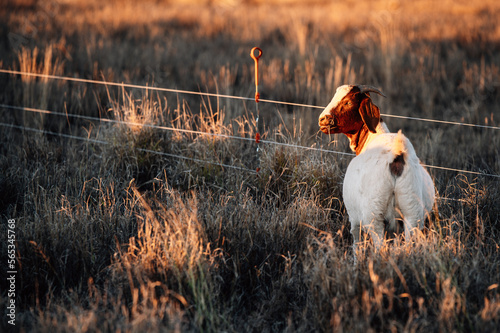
(4, 106)
(57, 77)
(189, 92)
(96, 141)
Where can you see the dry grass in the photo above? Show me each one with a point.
(115, 238)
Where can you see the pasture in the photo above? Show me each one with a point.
(124, 226)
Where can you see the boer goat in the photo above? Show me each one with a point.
(385, 181)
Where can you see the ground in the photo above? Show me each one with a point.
(135, 228)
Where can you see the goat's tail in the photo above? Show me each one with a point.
(399, 151)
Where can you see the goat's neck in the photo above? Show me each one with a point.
(360, 139)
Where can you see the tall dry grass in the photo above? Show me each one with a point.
(113, 237)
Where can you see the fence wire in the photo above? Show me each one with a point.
(222, 165)
(225, 136)
(126, 85)
(96, 141)
(189, 92)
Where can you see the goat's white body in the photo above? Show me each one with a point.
(373, 195)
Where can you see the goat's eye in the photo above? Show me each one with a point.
(348, 103)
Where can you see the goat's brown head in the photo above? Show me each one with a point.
(350, 109)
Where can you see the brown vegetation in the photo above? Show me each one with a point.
(112, 237)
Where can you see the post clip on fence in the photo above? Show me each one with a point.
(257, 95)
(256, 60)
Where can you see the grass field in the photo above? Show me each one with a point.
(113, 237)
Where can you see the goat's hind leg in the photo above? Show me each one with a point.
(413, 226)
(356, 235)
(375, 229)
(414, 221)
(377, 232)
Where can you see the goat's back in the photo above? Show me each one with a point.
(387, 176)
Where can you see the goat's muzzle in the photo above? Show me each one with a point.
(326, 123)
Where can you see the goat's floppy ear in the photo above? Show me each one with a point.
(370, 114)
